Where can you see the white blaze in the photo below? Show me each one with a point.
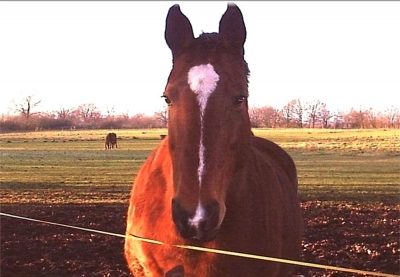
(202, 80)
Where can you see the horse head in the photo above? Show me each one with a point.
(208, 125)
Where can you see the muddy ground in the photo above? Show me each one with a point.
(342, 234)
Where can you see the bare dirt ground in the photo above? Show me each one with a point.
(351, 235)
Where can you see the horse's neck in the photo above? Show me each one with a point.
(249, 169)
(238, 188)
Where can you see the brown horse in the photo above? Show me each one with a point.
(210, 182)
(111, 141)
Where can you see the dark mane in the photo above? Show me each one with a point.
(211, 48)
(209, 39)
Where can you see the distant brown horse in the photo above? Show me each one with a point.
(111, 141)
(211, 182)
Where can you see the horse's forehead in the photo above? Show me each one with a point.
(206, 79)
(202, 79)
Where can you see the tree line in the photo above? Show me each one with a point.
(295, 114)
(300, 114)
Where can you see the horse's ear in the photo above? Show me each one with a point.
(178, 30)
(231, 26)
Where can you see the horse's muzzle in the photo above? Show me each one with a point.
(202, 226)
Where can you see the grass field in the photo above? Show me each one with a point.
(348, 185)
(359, 165)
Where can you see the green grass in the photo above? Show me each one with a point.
(73, 167)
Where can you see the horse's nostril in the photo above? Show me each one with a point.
(212, 219)
(179, 217)
(201, 225)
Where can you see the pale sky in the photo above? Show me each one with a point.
(113, 54)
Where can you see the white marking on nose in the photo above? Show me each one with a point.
(198, 216)
(202, 81)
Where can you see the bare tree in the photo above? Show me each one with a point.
(254, 117)
(372, 118)
(397, 120)
(287, 113)
(63, 113)
(360, 117)
(392, 113)
(313, 109)
(356, 118)
(263, 117)
(298, 110)
(162, 116)
(87, 112)
(338, 119)
(325, 115)
(140, 121)
(277, 118)
(111, 112)
(25, 107)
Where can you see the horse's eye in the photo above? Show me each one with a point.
(241, 99)
(167, 100)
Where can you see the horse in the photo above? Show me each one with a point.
(211, 182)
(111, 141)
